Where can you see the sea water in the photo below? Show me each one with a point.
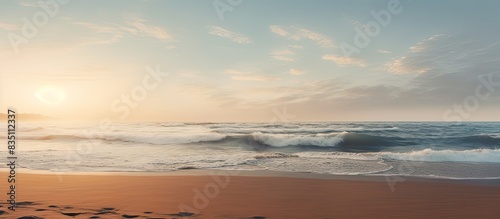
(429, 149)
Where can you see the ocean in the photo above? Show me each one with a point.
(426, 149)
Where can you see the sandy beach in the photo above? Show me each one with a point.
(218, 194)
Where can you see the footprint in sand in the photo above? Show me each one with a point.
(107, 211)
(183, 214)
(129, 216)
(30, 217)
(25, 203)
(71, 214)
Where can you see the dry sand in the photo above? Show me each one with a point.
(160, 196)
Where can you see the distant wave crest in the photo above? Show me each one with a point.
(430, 155)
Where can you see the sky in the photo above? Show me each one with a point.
(252, 61)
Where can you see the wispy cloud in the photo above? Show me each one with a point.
(343, 61)
(279, 30)
(101, 33)
(283, 55)
(418, 60)
(440, 54)
(404, 65)
(28, 4)
(383, 51)
(96, 33)
(320, 39)
(224, 33)
(424, 43)
(297, 34)
(149, 30)
(294, 71)
(8, 27)
(248, 76)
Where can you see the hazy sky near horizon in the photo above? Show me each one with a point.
(256, 61)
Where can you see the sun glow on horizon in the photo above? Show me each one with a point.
(50, 94)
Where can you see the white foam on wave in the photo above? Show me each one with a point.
(283, 140)
(165, 138)
(291, 130)
(337, 155)
(280, 130)
(324, 165)
(430, 155)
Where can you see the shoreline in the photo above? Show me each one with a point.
(267, 173)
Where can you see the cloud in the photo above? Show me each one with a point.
(247, 76)
(283, 55)
(405, 65)
(149, 30)
(253, 78)
(298, 34)
(235, 37)
(8, 27)
(320, 39)
(74, 34)
(342, 61)
(96, 33)
(425, 43)
(278, 30)
(384, 51)
(422, 56)
(453, 75)
(99, 33)
(29, 4)
(296, 72)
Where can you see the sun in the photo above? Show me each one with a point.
(51, 94)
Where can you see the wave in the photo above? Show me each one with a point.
(343, 140)
(284, 140)
(305, 138)
(273, 130)
(478, 138)
(280, 129)
(143, 138)
(430, 155)
(167, 139)
(485, 140)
